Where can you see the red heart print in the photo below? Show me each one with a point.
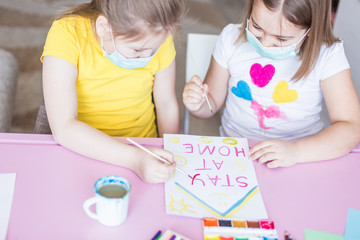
(261, 76)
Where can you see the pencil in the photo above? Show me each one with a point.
(156, 156)
(197, 73)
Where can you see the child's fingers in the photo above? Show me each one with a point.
(196, 80)
(193, 97)
(157, 171)
(190, 86)
(267, 157)
(258, 153)
(259, 146)
(166, 155)
(171, 170)
(157, 179)
(165, 171)
(193, 100)
(274, 164)
(205, 88)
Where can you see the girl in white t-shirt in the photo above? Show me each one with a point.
(273, 70)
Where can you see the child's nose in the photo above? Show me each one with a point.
(266, 41)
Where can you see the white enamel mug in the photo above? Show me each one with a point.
(111, 199)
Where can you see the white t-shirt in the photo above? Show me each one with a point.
(262, 101)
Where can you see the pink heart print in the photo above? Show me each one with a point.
(261, 76)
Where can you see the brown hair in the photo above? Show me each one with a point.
(132, 18)
(314, 14)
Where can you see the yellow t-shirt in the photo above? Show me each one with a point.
(115, 100)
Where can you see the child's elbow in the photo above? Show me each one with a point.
(59, 133)
(57, 136)
(357, 132)
(354, 134)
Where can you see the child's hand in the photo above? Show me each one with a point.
(194, 94)
(275, 153)
(152, 170)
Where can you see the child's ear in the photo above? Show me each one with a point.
(102, 26)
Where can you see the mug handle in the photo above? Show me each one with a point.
(87, 205)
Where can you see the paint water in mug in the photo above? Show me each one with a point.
(112, 191)
(111, 199)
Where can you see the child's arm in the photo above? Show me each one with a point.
(340, 138)
(166, 104)
(215, 86)
(59, 83)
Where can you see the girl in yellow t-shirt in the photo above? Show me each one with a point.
(108, 67)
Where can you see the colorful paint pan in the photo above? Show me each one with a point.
(238, 229)
(226, 238)
(267, 224)
(253, 224)
(239, 223)
(211, 237)
(225, 223)
(210, 222)
(215, 222)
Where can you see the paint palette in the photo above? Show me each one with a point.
(238, 229)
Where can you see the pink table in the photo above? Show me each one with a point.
(52, 183)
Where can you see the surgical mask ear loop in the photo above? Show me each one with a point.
(112, 39)
(102, 45)
(303, 36)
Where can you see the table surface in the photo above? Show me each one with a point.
(52, 183)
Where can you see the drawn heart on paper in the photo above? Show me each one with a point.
(282, 93)
(242, 90)
(261, 76)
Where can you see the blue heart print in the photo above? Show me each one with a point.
(242, 90)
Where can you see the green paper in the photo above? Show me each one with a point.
(317, 235)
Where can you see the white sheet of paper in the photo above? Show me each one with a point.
(7, 185)
(226, 186)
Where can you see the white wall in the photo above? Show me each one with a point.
(347, 27)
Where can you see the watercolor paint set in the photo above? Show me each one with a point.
(238, 229)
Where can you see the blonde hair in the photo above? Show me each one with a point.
(314, 14)
(134, 18)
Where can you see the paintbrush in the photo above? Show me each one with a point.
(157, 156)
(197, 73)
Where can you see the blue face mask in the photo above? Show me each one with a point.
(276, 53)
(119, 60)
